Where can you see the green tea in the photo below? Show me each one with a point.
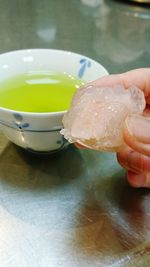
(38, 92)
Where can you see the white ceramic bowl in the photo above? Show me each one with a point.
(41, 131)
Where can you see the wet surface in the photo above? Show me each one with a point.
(73, 208)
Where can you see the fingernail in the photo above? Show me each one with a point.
(136, 180)
(139, 127)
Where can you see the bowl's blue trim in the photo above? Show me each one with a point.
(64, 144)
(19, 128)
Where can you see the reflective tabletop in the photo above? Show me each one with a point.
(73, 208)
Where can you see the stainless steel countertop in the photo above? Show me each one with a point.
(74, 208)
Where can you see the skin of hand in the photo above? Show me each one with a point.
(136, 156)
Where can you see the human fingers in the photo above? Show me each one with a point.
(138, 180)
(134, 161)
(138, 77)
(137, 133)
(137, 165)
(79, 146)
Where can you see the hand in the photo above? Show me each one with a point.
(136, 157)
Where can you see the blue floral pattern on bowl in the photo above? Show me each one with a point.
(85, 63)
(25, 126)
(19, 121)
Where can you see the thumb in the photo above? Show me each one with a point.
(137, 133)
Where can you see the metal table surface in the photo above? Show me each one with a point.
(73, 208)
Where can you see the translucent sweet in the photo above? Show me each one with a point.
(97, 115)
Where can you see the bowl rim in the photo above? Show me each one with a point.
(59, 51)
